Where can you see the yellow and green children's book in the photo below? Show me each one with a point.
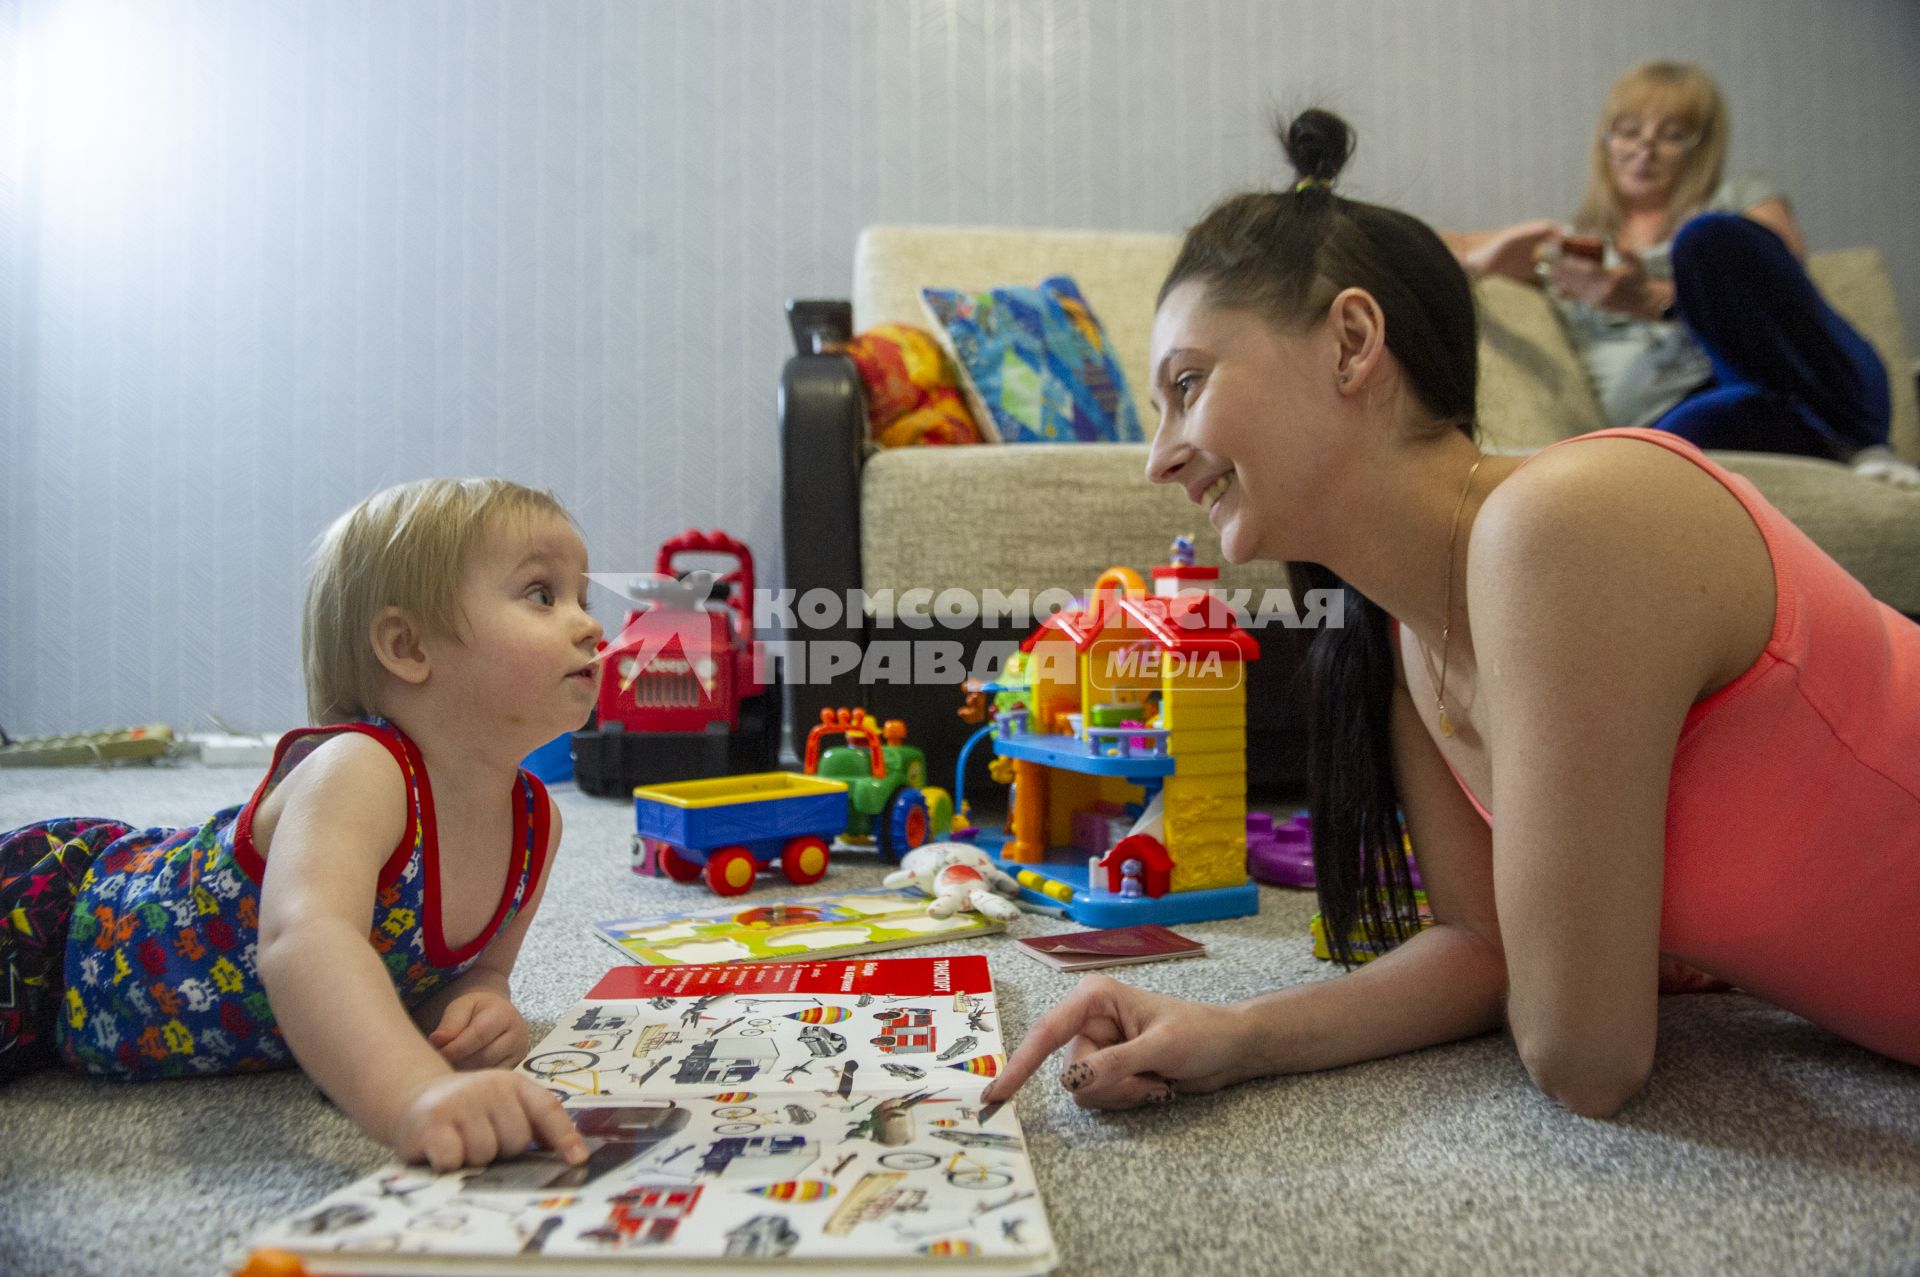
(1363, 949)
(835, 926)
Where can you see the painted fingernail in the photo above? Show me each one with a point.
(1076, 1076)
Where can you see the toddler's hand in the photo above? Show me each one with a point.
(469, 1119)
(480, 1030)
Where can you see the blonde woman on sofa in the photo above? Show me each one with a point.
(1639, 728)
(1684, 294)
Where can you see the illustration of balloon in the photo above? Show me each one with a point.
(795, 1190)
(981, 1065)
(821, 1015)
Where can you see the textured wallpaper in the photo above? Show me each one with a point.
(259, 258)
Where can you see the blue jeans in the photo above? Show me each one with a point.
(1790, 375)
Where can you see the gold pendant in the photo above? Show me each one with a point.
(1446, 724)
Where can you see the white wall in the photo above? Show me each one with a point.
(258, 259)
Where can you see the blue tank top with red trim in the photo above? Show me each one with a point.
(162, 974)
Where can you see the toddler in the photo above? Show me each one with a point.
(361, 912)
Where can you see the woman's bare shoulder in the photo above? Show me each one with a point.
(1629, 525)
(1620, 492)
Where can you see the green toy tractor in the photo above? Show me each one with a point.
(888, 800)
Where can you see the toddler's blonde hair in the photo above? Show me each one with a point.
(407, 547)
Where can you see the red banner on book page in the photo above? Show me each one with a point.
(894, 977)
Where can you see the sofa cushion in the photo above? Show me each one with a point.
(1533, 390)
(1042, 516)
(1036, 365)
(913, 390)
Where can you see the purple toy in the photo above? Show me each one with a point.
(1283, 855)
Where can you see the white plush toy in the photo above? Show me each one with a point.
(957, 877)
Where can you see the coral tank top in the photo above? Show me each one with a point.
(1793, 814)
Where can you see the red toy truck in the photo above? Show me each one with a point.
(679, 698)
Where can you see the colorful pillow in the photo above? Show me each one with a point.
(1037, 364)
(913, 392)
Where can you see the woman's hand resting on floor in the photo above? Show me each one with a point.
(1127, 1047)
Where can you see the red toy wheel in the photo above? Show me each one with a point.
(804, 860)
(902, 824)
(730, 870)
(678, 867)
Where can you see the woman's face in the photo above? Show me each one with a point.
(1242, 413)
(1647, 151)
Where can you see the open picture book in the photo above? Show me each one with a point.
(767, 1117)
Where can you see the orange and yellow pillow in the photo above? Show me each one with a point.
(913, 391)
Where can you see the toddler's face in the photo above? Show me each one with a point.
(525, 656)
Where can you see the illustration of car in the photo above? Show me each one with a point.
(822, 1042)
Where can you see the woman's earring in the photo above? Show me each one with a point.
(1345, 377)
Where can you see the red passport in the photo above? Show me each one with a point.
(1112, 947)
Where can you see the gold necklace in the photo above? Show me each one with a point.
(1446, 625)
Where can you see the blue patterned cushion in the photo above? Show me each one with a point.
(1036, 363)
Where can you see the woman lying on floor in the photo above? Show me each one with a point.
(1699, 735)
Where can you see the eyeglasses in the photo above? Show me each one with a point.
(1626, 133)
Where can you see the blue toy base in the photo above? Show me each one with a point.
(1069, 865)
(553, 761)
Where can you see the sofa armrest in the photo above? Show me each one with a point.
(823, 430)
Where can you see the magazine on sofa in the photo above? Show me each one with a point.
(765, 1117)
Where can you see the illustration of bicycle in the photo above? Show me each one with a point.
(962, 1171)
(553, 1063)
(571, 1073)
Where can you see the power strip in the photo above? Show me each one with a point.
(221, 749)
(117, 745)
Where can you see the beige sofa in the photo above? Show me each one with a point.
(1036, 516)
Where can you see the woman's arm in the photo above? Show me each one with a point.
(1511, 251)
(1445, 983)
(1609, 586)
(1128, 1046)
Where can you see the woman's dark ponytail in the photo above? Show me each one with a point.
(1318, 144)
(1286, 255)
(1360, 869)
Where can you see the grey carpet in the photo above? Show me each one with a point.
(1762, 1144)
